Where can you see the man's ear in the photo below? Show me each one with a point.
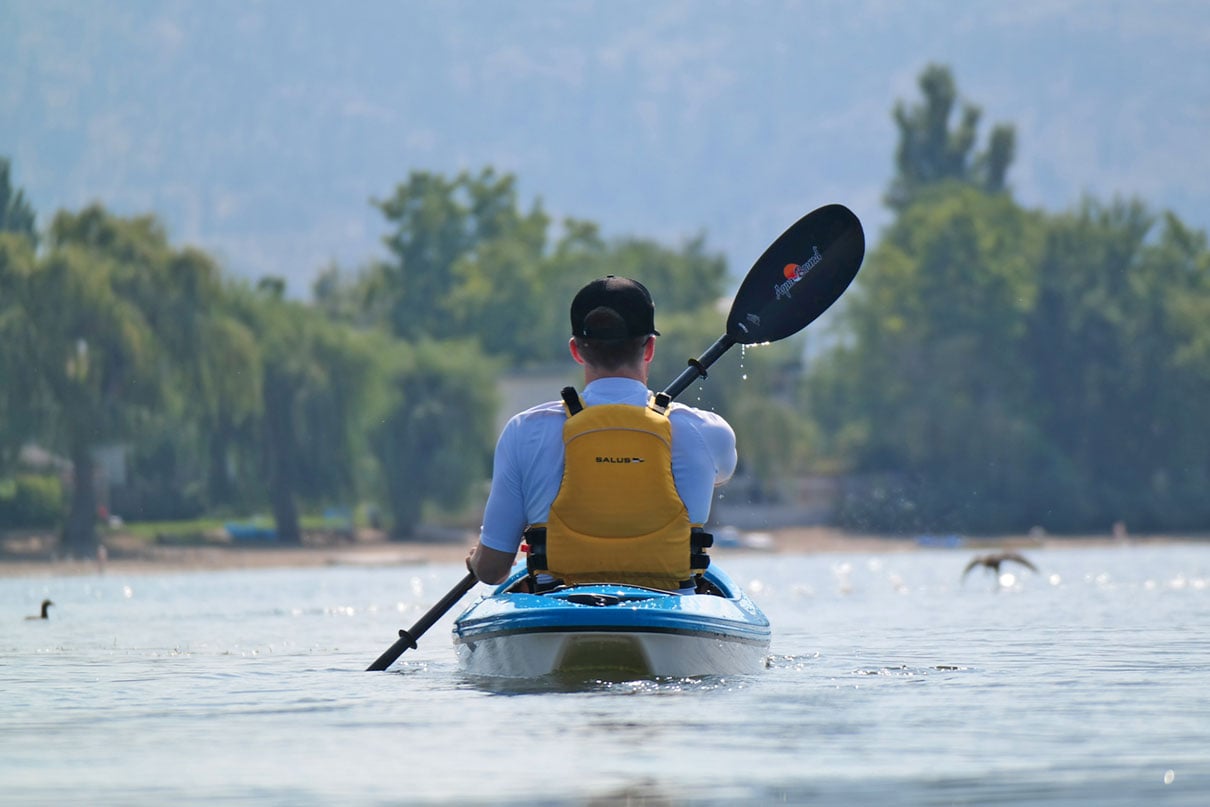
(575, 350)
(649, 349)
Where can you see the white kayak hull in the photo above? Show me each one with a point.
(607, 654)
(613, 632)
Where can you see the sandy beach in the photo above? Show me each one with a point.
(128, 555)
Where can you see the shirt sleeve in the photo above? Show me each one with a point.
(703, 457)
(719, 438)
(504, 514)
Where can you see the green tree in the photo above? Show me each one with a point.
(197, 452)
(579, 255)
(438, 224)
(231, 400)
(119, 338)
(930, 152)
(16, 222)
(90, 355)
(434, 439)
(1179, 484)
(1003, 368)
(206, 355)
(932, 385)
(774, 441)
(16, 214)
(20, 392)
(467, 261)
(316, 379)
(1114, 346)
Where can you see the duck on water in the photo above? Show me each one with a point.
(46, 604)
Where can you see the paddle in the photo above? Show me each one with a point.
(797, 278)
(407, 638)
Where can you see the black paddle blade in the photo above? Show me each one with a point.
(798, 277)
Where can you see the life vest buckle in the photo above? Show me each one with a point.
(534, 539)
(699, 542)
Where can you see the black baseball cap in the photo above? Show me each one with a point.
(628, 299)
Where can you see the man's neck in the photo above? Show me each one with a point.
(591, 375)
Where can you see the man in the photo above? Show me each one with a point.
(607, 485)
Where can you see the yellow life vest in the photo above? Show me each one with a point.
(617, 517)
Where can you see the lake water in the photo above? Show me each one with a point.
(891, 682)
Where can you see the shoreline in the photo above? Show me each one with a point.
(129, 556)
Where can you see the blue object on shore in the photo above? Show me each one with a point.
(250, 533)
(940, 541)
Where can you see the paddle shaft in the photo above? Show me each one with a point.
(697, 367)
(407, 638)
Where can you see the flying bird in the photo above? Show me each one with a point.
(993, 562)
(46, 604)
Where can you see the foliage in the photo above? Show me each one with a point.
(16, 213)
(31, 500)
(1007, 369)
(435, 436)
(315, 380)
(930, 152)
(89, 352)
(18, 407)
(440, 227)
(467, 262)
(774, 441)
(994, 368)
(932, 387)
(1003, 368)
(164, 472)
(1116, 351)
(18, 237)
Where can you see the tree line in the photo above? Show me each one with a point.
(994, 368)
(1005, 368)
(232, 398)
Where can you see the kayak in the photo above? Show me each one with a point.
(612, 631)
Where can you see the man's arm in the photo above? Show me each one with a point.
(490, 565)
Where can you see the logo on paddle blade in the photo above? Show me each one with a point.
(753, 318)
(795, 272)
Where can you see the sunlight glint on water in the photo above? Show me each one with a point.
(891, 680)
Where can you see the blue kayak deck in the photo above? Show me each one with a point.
(728, 614)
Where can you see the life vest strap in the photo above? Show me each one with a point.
(535, 557)
(571, 399)
(699, 542)
(535, 542)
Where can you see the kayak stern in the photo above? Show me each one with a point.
(613, 631)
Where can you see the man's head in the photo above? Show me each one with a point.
(627, 300)
(612, 322)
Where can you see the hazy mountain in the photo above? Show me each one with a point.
(261, 130)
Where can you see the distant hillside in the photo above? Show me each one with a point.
(261, 131)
